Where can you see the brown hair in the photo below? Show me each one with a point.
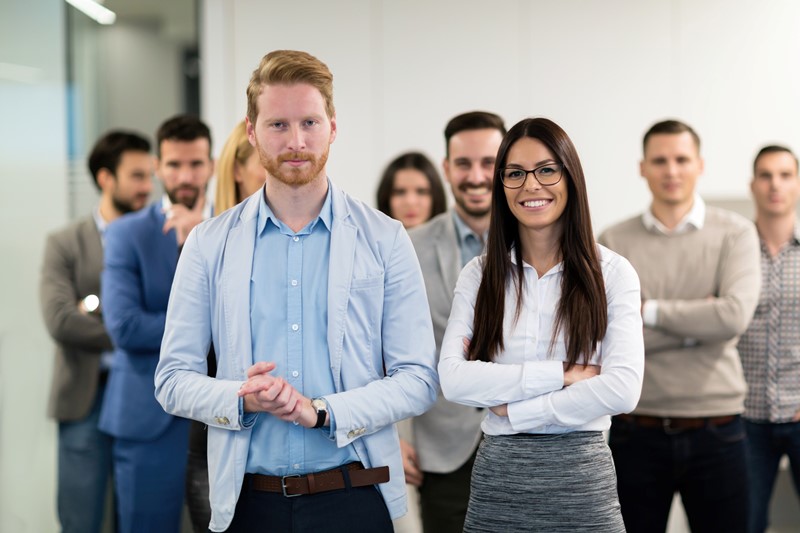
(287, 67)
(474, 120)
(773, 149)
(182, 128)
(670, 127)
(582, 312)
(109, 149)
(416, 161)
(237, 151)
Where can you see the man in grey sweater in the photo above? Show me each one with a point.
(700, 278)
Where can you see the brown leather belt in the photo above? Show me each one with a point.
(314, 483)
(676, 424)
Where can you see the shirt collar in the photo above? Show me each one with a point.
(512, 254)
(694, 219)
(463, 231)
(796, 240)
(265, 213)
(99, 221)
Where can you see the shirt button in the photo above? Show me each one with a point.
(296, 466)
(294, 283)
(295, 238)
(295, 327)
(295, 374)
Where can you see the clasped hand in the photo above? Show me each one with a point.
(263, 392)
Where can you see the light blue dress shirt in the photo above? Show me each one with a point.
(107, 356)
(469, 243)
(289, 321)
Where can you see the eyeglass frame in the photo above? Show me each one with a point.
(561, 166)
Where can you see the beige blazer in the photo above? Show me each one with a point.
(73, 260)
(446, 436)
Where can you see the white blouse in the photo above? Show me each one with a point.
(530, 379)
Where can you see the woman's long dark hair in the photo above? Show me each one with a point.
(582, 313)
(416, 161)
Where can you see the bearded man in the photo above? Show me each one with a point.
(142, 249)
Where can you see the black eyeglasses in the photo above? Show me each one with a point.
(547, 175)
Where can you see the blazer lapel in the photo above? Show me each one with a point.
(237, 269)
(340, 273)
(448, 254)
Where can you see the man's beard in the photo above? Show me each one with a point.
(293, 176)
(126, 206)
(186, 201)
(469, 210)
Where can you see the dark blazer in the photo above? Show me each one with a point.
(73, 259)
(140, 262)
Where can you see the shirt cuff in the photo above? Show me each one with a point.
(246, 420)
(331, 420)
(650, 313)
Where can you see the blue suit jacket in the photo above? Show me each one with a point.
(140, 262)
(379, 332)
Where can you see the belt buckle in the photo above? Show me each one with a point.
(666, 424)
(283, 485)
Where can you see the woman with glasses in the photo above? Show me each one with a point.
(545, 332)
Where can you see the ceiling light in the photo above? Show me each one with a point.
(94, 10)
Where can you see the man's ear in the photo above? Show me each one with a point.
(105, 179)
(251, 132)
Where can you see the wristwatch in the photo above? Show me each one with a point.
(91, 303)
(321, 408)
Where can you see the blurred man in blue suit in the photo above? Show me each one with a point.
(149, 450)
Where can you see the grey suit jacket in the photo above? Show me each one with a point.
(73, 260)
(447, 435)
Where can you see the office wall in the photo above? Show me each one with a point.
(32, 201)
(605, 71)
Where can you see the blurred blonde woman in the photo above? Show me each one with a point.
(239, 172)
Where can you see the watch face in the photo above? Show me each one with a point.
(91, 303)
(319, 404)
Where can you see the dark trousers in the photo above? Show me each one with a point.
(197, 491)
(350, 510)
(707, 466)
(149, 480)
(443, 499)
(767, 443)
(84, 470)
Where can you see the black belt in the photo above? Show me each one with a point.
(670, 424)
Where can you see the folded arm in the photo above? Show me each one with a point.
(725, 315)
(59, 301)
(480, 383)
(618, 387)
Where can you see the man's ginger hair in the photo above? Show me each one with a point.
(287, 67)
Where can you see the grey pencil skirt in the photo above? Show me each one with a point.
(563, 482)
